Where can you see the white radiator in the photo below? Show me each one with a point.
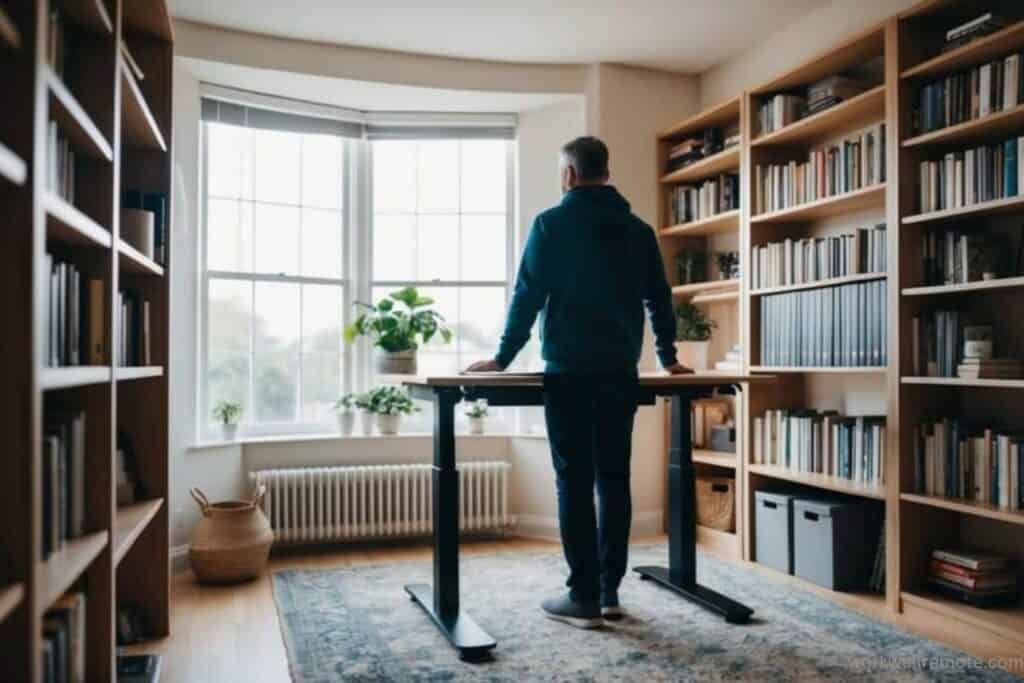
(320, 504)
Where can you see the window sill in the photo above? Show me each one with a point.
(300, 438)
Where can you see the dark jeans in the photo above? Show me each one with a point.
(590, 426)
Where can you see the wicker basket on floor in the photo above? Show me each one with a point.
(232, 540)
(716, 503)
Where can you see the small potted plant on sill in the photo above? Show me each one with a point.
(228, 413)
(389, 404)
(345, 411)
(398, 324)
(362, 402)
(693, 335)
(477, 413)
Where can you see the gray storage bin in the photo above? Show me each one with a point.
(834, 542)
(773, 525)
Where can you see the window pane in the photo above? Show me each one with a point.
(438, 253)
(321, 318)
(228, 152)
(321, 384)
(230, 315)
(276, 231)
(483, 247)
(394, 247)
(321, 171)
(481, 319)
(275, 386)
(276, 168)
(276, 308)
(229, 235)
(394, 176)
(227, 379)
(484, 176)
(438, 176)
(321, 243)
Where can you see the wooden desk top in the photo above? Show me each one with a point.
(536, 379)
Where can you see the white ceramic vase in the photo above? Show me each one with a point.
(366, 422)
(476, 425)
(230, 431)
(346, 422)
(388, 424)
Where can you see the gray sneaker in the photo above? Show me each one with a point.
(578, 614)
(610, 608)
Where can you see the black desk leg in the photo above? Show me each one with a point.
(442, 601)
(681, 575)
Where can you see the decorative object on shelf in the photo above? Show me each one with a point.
(716, 503)
(345, 411)
(691, 266)
(732, 361)
(728, 265)
(232, 540)
(362, 402)
(131, 624)
(978, 342)
(693, 332)
(477, 415)
(723, 437)
(144, 222)
(983, 25)
(398, 332)
(389, 403)
(978, 579)
(137, 229)
(954, 257)
(228, 413)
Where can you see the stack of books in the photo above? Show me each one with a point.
(63, 656)
(979, 27)
(64, 478)
(684, 154)
(60, 163)
(955, 458)
(794, 262)
(989, 368)
(75, 320)
(971, 176)
(822, 442)
(731, 362)
(953, 257)
(978, 579)
(946, 345)
(830, 91)
(969, 95)
(134, 346)
(713, 196)
(778, 111)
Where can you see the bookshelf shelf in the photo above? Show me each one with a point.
(12, 167)
(91, 14)
(966, 287)
(717, 286)
(999, 44)
(10, 37)
(726, 160)
(1007, 622)
(125, 373)
(818, 284)
(857, 50)
(75, 376)
(140, 127)
(820, 481)
(73, 120)
(961, 382)
(134, 261)
(860, 110)
(64, 567)
(985, 129)
(990, 208)
(10, 598)
(715, 458)
(716, 297)
(129, 523)
(820, 369)
(725, 222)
(719, 115)
(66, 224)
(724, 543)
(968, 507)
(847, 202)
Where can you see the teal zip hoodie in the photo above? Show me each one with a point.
(589, 268)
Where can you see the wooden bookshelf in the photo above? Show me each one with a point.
(716, 458)
(828, 207)
(715, 297)
(1008, 205)
(998, 44)
(819, 481)
(120, 130)
(726, 160)
(818, 284)
(969, 507)
(1006, 622)
(720, 115)
(820, 369)
(966, 287)
(705, 287)
(1001, 124)
(961, 382)
(862, 110)
(722, 223)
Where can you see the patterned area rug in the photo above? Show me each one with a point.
(357, 624)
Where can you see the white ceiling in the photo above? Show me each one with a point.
(682, 35)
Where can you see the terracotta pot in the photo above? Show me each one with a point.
(396, 362)
(232, 541)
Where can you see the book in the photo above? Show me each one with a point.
(971, 560)
(688, 203)
(972, 581)
(974, 598)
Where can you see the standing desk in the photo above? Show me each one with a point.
(441, 601)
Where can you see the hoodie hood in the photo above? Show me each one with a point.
(605, 196)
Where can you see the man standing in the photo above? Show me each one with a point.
(592, 266)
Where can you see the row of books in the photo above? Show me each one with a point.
(63, 654)
(713, 196)
(712, 140)
(60, 163)
(63, 480)
(822, 442)
(978, 27)
(968, 95)
(792, 262)
(58, 42)
(971, 176)
(75, 315)
(778, 111)
(957, 459)
(840, 326)
(944, 344)
(978, 579)
(847, 165)
(135, 344)
(949, 256)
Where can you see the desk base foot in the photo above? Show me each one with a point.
(472, 642)
(732, 611)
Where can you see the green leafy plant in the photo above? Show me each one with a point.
(692, 324)
(346, 403)
(389, 400)
(477, 408)
(401, 321)
(227, 412)
(728, 264)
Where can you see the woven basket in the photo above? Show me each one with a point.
(716, 503)
(232, 541)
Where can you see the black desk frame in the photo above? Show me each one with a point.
(441, 601)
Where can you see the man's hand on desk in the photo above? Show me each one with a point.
(678, 369)
(485, 366)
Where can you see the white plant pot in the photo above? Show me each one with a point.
(229, 431)
(346, 422)
(476, 425)
(693, 355)
(366, 422)
(388, 424)
(396, 362)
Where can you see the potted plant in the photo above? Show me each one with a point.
(693, 334)
(389, 403)
(728, 265)
(477, 413)
(362, 402)
(344, 409)
(228, 414)
(398, 324)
